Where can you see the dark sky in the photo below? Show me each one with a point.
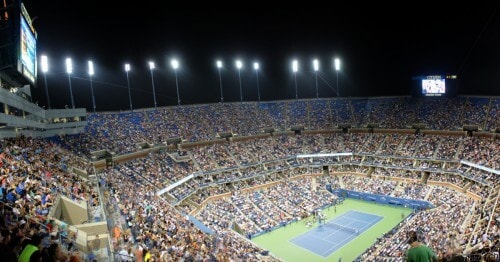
(381, 47)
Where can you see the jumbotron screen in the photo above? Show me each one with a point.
(27, 50)
(433, 87)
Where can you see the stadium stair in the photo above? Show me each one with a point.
(436, 149)
(467, 219)
(308, 115)
(370, 172)
(321, 141)
(429, 193)
(197, 208)
(330, 115)
(351, 108)
(341, 182)
(366, 143)
(400, 145)
(464, 189)
(231, 156)
(463, 109)
(479, 225)
(399, 188)
(196, 164)
(380, 146)
(493, 196)
(459, 150)
(485, 124)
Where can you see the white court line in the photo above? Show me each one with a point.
(308, 250)
(352, 236)
(335, 243)
(324, 239)
(347, 239)
(378, 218)
(351, 211)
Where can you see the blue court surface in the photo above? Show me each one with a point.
(329, 237)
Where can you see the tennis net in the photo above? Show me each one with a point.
(344, 228)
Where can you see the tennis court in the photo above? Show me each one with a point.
(327, 238)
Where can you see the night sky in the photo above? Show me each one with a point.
(381, 48)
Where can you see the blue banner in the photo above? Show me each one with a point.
(382, 199)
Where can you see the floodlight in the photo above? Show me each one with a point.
(256, 67)
(69, 70)
(127, 69)
(91, 73)
(45, 69)
(219, 66)
(337, 69)
(316, 69)
(239, 65)
(174, 63)
(69, 66)
(45, 64)
(91, 68)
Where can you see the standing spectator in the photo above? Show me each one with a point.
(32, 247)
(418, 251)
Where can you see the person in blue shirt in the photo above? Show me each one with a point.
(11, 195)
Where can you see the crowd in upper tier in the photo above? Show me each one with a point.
(120, 132)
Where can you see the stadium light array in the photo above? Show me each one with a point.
(239, 65)
(45, 64)
(151, 68)
(69, 66)
(295, 69)
(295, 66)
(337, 69)
(316, 69)
(45, 69)
(91, 74)
(69, 70)
(175, 66)
(256, 68)
(174, 63)
(316, 65)
(219, 66)
(127, 69)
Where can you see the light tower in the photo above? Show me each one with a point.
(175, 66)
(316, 69)
(219, 66)
(151, 67)
(91, 74)
(45, 69)
(127, 69)
(69, 70)
(295, 68)
(256, 68)
(337, 69)
(239, 65)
